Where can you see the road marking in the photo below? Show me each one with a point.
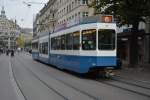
(14, 84)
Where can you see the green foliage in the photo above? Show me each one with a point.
(126, 11)
(20, 41)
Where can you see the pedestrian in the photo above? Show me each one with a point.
(12, 53)
(7, 52)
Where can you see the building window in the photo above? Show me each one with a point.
(79, 2)
(78, 13)
(85, 2)
(72, 5)
(67, 9)
(85, 14)
(76, 2)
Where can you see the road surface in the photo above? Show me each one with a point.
(22, 78)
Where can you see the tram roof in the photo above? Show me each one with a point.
(44, 34)
(89, 20)
(35, 38)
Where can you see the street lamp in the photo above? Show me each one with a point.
(29, 4)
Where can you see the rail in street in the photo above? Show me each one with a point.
(37, 81)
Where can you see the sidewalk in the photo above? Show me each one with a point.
(141, 73)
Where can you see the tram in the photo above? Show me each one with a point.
(35, 48)
(82, 48)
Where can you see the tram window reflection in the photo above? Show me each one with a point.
(63, 42)
(106, 39)
(76, 40)
(53, 43)
(69, 41)
(89, 39)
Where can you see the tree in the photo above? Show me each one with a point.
(21, 41)
(129, 12)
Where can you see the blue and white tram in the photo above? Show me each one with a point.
(44, 48)
(81, 48)
(84, 48)
(35, 48)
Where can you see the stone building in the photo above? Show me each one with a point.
(58, 14)
(8, 32)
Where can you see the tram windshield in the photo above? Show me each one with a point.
(89, 39)
(106, 39)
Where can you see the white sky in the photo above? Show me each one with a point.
(16, 9)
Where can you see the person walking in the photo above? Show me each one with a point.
(7, 52)
(12, 53)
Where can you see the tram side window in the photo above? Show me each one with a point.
(106, 39)
(32, 45)
(76, 40)
(63, 42)
(58, 43)
(45, 48)
(69, 41)
(89, 39)
(53, 43)
(35, 46)
(40, 47)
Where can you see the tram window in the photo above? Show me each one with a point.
(35, 46)
(53, 43)
(76, 40)
(89, 39)
(69, 41)
(45, 48)
(63, 42)
(58, 43)
(40, 47)
(106, 39)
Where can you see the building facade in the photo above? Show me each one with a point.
(8, 32)
(58, 14)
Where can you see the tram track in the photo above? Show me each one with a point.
(17, 83)
(49, 87)
(131, 87)
(134, 82)
(61, 81)
(113, 84)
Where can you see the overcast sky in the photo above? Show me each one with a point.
(16, 9)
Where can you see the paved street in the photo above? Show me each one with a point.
(21, 78)
(7, 91)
